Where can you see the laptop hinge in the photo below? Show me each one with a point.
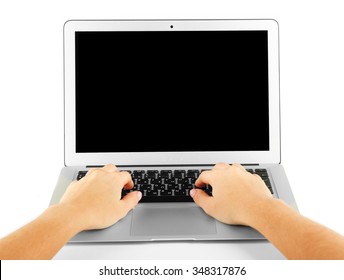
(98, 166)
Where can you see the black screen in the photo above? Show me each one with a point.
(172, 91)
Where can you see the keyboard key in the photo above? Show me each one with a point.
(155, 181)
(151, 193)
(167, 192)
(208, 189)
(170, 181)
(189, 187)
(192, 173)
(167, 198)
(172, 187)
(260, 170)
(81, 174)
(146, 187)
(138, 173)
(165, 173)
(142, 181)
(179, 192)
(179, 173)
(152, 174)
(183, 181)
(160, 187)
(192, 180)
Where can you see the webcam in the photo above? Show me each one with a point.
(171, 26)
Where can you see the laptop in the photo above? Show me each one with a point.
(165, 100)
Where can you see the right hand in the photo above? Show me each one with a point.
(236, 193)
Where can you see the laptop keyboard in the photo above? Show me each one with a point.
(172, 185)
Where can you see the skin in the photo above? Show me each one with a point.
(94, 202)
(239, 197)
(243, 199)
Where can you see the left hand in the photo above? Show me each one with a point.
(96, 201)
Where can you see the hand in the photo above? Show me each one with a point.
(236, 193)
(96, 199)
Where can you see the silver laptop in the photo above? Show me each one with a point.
(164, 100)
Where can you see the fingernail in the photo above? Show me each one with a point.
(139, 195)
(192, 192)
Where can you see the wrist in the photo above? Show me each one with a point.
(68, 215)
(261, 211)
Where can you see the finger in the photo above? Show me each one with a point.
(110, 168)
(203, 179)
(127, 180)
(257, 176)
(221, 165)
(90, 171)
(238, 165)
(128, 202)
(203, 200)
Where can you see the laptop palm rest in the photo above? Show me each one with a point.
(150, 220)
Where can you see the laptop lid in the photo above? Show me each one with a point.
(152, 92)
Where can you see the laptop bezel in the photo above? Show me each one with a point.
(170, 158)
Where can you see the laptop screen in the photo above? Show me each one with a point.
(162, 91)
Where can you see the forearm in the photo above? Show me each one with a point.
(294, 235)
(43, 237)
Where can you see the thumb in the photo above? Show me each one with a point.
(129, 201)
(203, 200)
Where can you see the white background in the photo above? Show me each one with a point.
(31, 94)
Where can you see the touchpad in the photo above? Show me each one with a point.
(183, 220)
